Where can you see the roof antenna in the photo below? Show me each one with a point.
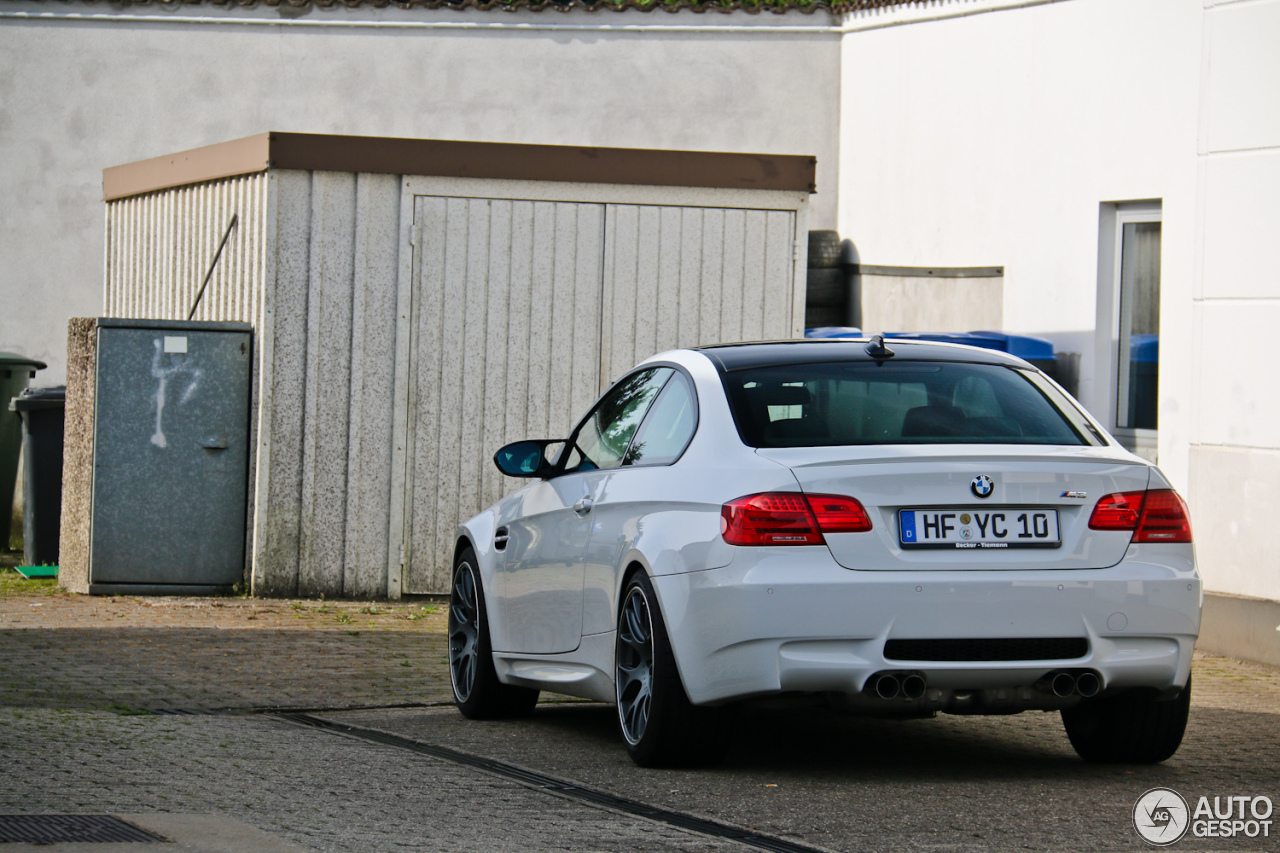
(877, 350)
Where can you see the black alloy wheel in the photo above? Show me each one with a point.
(659, 725)
(477, 691)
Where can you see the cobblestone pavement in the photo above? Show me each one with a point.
(80, 678)
(218, 654)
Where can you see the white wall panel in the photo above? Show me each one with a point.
(328, 394)
(325, 448)
(1241, 218)
(373, 352)
(505, 346)
(1242, 81)
(282, 345)
(1237, 403)
(1233, 496)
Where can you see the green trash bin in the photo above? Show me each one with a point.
(15, 372)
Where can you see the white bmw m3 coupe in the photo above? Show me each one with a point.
(901, 529)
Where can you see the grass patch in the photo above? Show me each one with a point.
(12, 583)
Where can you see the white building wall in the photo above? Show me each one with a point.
(144, 80)
(994, 138)
(1235, 423)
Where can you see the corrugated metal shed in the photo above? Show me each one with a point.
(418, 303)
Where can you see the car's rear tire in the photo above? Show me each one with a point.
(477, 691)
(1128, 729)
(658, 723)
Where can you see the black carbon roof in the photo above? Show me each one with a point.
(729, 357)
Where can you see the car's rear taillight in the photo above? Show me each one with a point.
(1164, 518)
(1118, 511)
(790, 518)
(838, 514)
(1157, 515)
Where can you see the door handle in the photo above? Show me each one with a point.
(214, 442)
(583, 506)
(500, 537)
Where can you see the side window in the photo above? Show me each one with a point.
(668, 427)
(602, 439)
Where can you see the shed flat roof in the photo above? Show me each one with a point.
(458, 159)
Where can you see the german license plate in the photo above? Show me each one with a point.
(1016, 527)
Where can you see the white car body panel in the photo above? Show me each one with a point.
(751, 621)
(539, 582)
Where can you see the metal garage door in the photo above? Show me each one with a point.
(506, 340)
(524, 311)
(691, 276)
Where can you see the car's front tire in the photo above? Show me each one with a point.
(1128, 729)
(658, 723)
(477, 691)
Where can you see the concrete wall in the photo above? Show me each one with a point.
(77, 96)
(916, 303)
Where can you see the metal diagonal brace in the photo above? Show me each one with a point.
(235, 217)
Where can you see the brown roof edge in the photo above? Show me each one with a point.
(224, 160)
(448, 158)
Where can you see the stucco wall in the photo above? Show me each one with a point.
(998, 138)
(1234, 358)
(78, 96)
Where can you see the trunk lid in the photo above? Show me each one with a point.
(935, 483)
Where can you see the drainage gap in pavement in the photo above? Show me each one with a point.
(541, 781)
(43, 829)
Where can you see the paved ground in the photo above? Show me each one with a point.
(81, 680)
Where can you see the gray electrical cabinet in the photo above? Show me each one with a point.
(170, 456)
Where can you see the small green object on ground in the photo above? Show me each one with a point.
(30, 572)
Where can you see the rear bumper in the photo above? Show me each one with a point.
(791, 619)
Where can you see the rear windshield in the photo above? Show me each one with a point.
(812, 405)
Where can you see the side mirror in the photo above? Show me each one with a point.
(526, 458)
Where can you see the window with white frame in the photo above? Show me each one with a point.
(1129, 321)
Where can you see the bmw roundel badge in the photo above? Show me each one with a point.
(982, 486)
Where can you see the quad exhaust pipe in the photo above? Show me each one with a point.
(1062, 683)
(1084, 683)
(888, 686)
(1088, 684)
(891, 685)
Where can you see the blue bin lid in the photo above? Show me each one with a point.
(1144, 349)
(833, 332)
